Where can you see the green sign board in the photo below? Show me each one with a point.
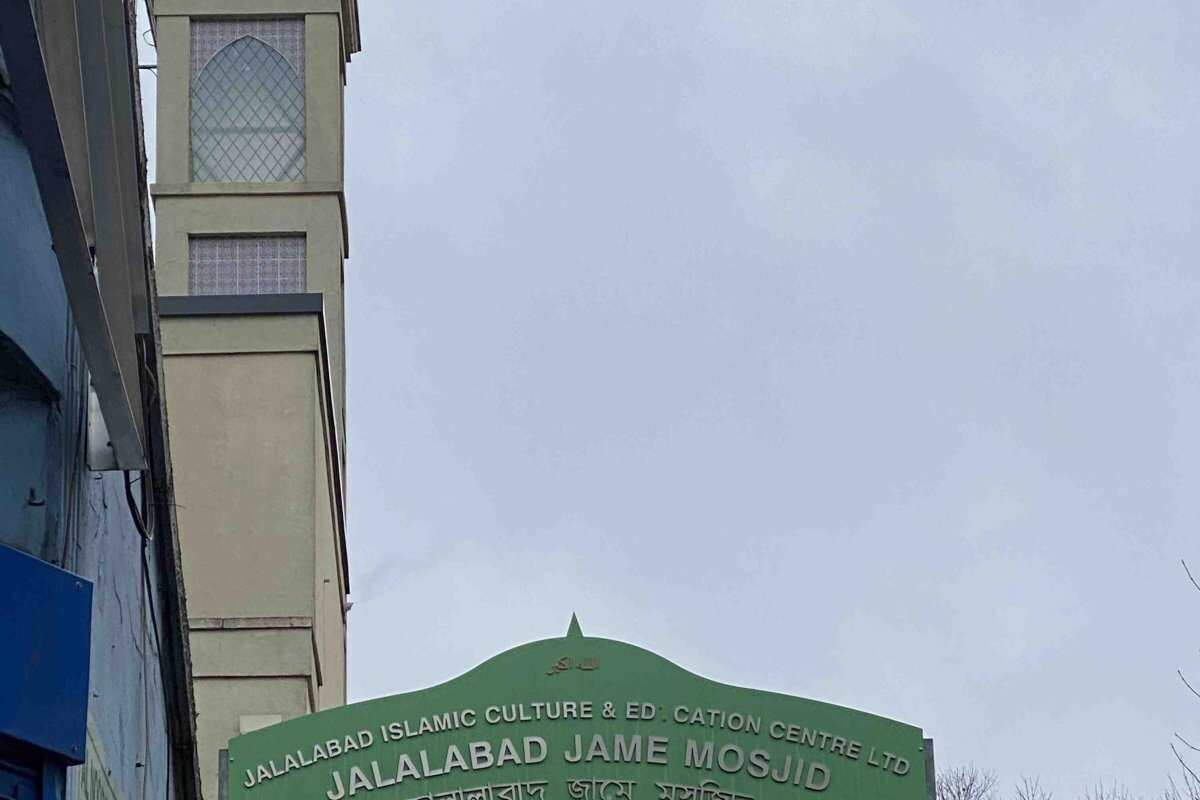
(581, 718)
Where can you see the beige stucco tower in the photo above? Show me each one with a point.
(250, 243)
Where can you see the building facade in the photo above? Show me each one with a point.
(95, 680)
(251, 240)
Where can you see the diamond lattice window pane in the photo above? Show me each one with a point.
(247, 264)
(247, 116)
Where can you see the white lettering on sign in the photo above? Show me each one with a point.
(800, 766)
(532, 750)
(623, 750)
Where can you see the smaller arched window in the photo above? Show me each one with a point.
(247, 122)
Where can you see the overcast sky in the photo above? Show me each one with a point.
(846, 349)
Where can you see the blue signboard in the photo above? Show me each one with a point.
(45, 633)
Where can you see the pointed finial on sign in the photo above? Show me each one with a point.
(574, 631)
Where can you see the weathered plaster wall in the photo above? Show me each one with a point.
(126, 709)
(252, 476)
(242, 429)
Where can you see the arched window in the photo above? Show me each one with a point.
(247, 116)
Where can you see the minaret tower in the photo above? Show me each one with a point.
(251, 240)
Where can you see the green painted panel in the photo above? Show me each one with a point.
(581, 718)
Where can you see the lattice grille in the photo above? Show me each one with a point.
(210, 35)
(247, 109)
(247, 264)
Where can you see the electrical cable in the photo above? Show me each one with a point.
(150, 402)
(149, 593)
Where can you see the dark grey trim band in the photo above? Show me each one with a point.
(225, 305)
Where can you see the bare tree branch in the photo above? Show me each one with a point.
(1189, 574)
(966, 783)
(1116, 791)
(1030, 788)
(1191, 688)
(1190, 791)
(1191, 773)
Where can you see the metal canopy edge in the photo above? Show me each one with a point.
(19, 39)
